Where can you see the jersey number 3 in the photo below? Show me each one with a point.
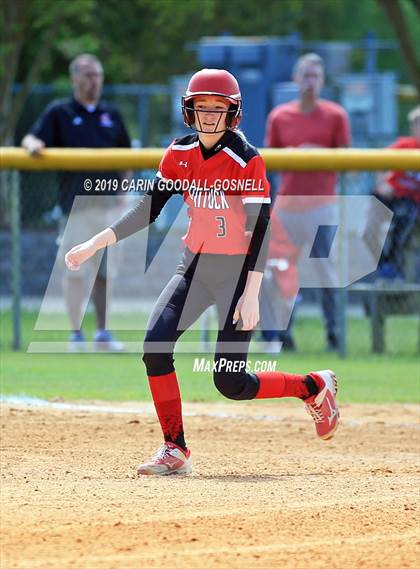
(222, 226)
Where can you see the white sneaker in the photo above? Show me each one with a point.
(77, 342)
(105, 342)
(169, 459)
(273, 347)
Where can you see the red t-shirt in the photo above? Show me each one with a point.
(405, 184)
(327, 126)
(233, 179)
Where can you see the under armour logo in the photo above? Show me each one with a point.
(182, 163)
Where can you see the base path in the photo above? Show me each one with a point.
(265, 491)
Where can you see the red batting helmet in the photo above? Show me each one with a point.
(217, 82)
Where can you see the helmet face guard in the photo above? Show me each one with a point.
(192, 119)
(218, 83)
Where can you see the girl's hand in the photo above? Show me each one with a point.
(79, 254)
(248, 309)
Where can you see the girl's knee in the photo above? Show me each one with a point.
(237, 386)
(157, 363)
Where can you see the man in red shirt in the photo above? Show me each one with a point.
(308, 199)
(400, 191)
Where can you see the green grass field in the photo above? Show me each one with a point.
(391, 377)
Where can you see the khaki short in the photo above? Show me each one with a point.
(80, 225)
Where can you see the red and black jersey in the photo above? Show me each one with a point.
(406, 184)
(226, 192)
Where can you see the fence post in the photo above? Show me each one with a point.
(342, 292)
(205, 332)
(16, 234)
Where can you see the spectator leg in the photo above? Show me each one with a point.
(378, 321)
(74, 293)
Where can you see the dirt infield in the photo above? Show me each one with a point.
(264, 493)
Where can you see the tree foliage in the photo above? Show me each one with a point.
(144, 41)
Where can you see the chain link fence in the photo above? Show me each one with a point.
(378, 313)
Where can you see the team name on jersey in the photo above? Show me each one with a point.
(208, 198)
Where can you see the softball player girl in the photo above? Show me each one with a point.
(224, 186)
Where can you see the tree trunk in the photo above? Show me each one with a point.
(394, 12)
(16, 27)
(416, 4)
(14, 16)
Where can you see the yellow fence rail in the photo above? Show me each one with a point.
(12, 158)
(85, 159)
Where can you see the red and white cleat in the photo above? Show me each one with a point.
(323, 407)
(169, 459)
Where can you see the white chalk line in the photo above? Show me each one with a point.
(34, 402)
(26, 402)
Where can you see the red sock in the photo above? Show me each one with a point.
(167, 400)
(279, 384)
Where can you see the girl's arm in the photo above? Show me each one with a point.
(258, 219)
(140, 216)
(248, 305)
(144, 213)
(81, 253)
(258, 224)
(253, 283)
(257, 209)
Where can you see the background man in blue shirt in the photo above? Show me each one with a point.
(83, 121)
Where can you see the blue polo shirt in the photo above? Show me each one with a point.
(67, 124)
